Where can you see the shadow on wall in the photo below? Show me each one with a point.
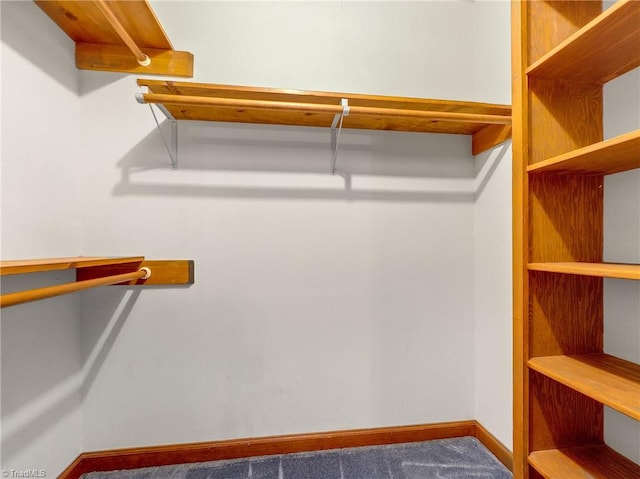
(20, 19)
(274, 162)
(45, 375)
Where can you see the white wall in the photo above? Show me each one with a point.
(40, 341)
(317, 305)
(622, 244)
(492, 230)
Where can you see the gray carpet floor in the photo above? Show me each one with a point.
(460, 458)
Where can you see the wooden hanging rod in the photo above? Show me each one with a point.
(323, 108)
(20, 297)
(142, 59)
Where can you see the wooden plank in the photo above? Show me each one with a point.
(602, 50)
(120, 59)
(602, 270)
(609, 380)
(52, 264)
(227, 103)
(596, 461)
(520, 229)
(132, 458)
(489, 137)
(621, 153)
(354, 110)
(83, 22)
(163, 272)
(320, 97)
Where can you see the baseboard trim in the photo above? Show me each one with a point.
(133, 458)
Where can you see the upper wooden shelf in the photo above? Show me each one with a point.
(102, 30)
(490, 124)
(596, 461)
(53, 264)
(602, 50)
(603, 270)
(94, 271)
(611, 381)
(618, 154)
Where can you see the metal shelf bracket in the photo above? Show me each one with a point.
(336, 129)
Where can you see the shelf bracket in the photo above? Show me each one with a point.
(173, 149)
(336, 129)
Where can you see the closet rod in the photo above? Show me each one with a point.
(19, 297)
(322, 108)
(142, 59)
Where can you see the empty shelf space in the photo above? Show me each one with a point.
(607, 379)
(604, 158)
(593, 461)
(603, 270)
(228, 103)
(602, 50)
(53, 264)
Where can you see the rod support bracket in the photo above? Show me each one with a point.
(336, 128)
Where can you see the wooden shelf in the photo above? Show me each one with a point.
(607, 157)
(53, 264)
(94, 271)
(602, 50)
(490, 124)
(603, 270)
(593, 461)
(609, 380)
(100, 47)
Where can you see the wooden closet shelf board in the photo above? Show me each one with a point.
(596, 461)
(52, 264)
(603, 270)
(596, 159)
(100, 47)
(602, 50)
(612, 381)
(83, 22)
(163, 272)
(226, 103)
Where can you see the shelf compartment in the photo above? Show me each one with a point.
(602, 270)
(604, 158)
(609, 380)
(602, 50)
(489, 123)
(596, 461)
(55, 264)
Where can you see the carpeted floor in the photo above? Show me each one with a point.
(460, 458)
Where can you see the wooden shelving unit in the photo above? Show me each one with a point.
(563, 53)
(103, 29)
(489, 124)
(94, 271)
